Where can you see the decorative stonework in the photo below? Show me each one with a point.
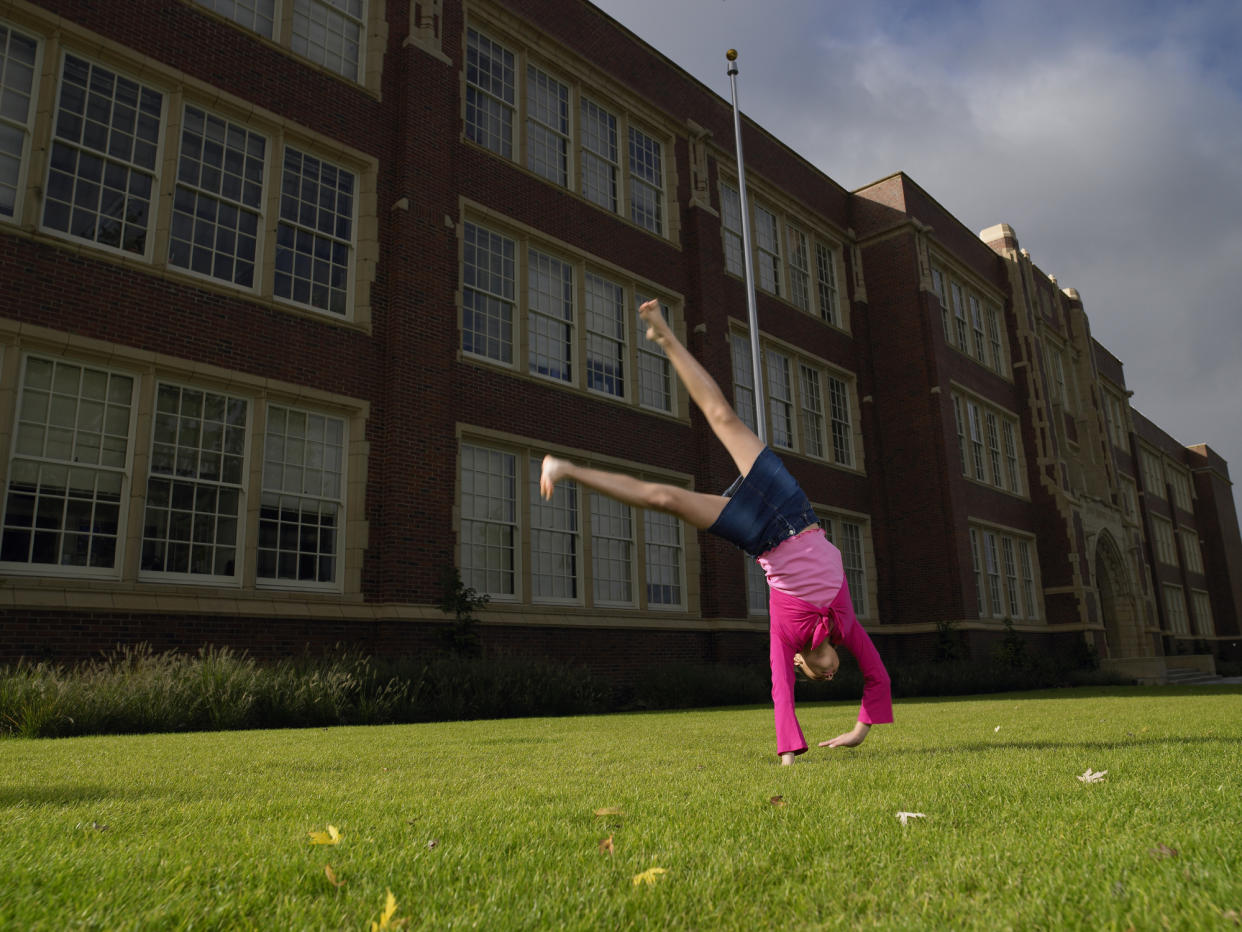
(700, 185)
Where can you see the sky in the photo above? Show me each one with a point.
(1107, 133)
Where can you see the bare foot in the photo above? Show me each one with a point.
(657, 326)
(553, 469)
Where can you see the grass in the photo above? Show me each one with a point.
(492, 823)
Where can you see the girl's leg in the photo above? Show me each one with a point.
(697, 508)
(741, 442)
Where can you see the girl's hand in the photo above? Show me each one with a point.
(851, 739)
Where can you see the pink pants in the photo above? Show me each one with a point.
(796, 626)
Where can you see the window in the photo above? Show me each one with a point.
(743, 379)
(217, 207)
(799, 269)
(108, 142)
(664, 559)
(1180, 484)
(995, 456)
(1201, 603)
(994, 452)
(102, 166)
(302, 504)
(852, 558)
(605, 324)
(575, 327)
(1152, 470)
(959, 316)
(599, 155)
(1056, 364)
(256, 15)
(18, 56)
(533, 553)
(655, 384)
(1162, 540)
(646, 181)
(992, 570)
(1192, 552)
(976, 319)
(785, 397)
(976, 440)
(826, 283)
(1114, 413)
(67, 469)
(958, 421)
(812, 412)
(488, 521)
(488, 294)
(1028, 579)
(1011, 575)
(1175, 609)
(69, 476)
(490, 94)
(976, 565)
(780, 400)
(994, 339)
(553, 540)
(756, 588)
(972, 323)
(547, 126)
(550, 316)
(731, 228)
(1004, 570)
(767, 251)
(314, 235)
(330, 33)
(195, 484)
(842, 432)
(612, 551)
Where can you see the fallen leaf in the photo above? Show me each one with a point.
(330, 837)
(1093, 776)
(996, 729)
(905, 816)
(99, 828)
(606, 845)
(432, 843)
(649, 876)
(1233, 916)
(390, 907)
(331, 875)
(609, 810)
(777, 801)
(1162, 851)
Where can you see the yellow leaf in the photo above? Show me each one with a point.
(606, 845)
(609, 810)
(390, 907)
(330, 837)
(331, 875)
(649, 876)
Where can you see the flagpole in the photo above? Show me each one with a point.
(761, 419)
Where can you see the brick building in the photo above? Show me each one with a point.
(297, 292)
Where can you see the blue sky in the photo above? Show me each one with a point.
(1107, 133)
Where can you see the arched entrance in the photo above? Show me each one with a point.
(1118, 606)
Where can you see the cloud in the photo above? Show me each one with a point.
(1108, 134)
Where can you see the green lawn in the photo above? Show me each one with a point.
(493, 824)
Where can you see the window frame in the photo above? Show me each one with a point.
(513, 247)
(525, 458)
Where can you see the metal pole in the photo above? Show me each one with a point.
(761, 415)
